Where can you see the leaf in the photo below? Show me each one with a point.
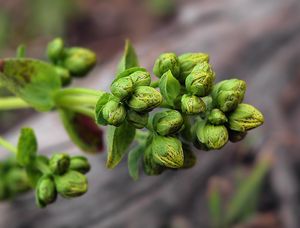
(32, 80)
(99, 106)
(134, 157)
(129, 71)
(119, 139)
(246, 195)
(129, 58)
(169, 87)
(82, 130)
(27, 147)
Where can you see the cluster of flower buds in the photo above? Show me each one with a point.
(196, 111)
(61, 174)
(66, 178)
(131, 99)
(13, 179)
(70, 62)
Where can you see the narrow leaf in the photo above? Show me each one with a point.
(169, 87)
(247, 193)
(134, 158)
(119, 139)
(32, 80)
(83, 131)
(27, 147)
(129, 58)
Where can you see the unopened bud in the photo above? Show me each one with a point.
(144, 99)
(166, 62)
(55, 49)
(228, 94)
(79, 61)
(45, 191)
(167, 151)
(191, 104)
(59, 163)
(167, 122)
(217, 117)
(199, 82)
(71, 184)
(114, 113)
(245, 117)
(80, 164)
(213, 137)
(188, 61)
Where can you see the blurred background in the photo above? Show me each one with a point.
(254, 183)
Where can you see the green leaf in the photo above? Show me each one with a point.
(27, 147)
(119, 139)
(99, 106)
(169, 87)
(129, 71)
(129, 58)
(32, 80)
(82, 130)
(134, 157)
(240, 206)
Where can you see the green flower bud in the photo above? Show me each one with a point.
(213, 137)
(165, 62)
(167, 151)
(45, 191)
(55, 49)
(144, 99)
(167, 122)
(217, 117)
(199, 82)
(228, 94)
(188, 61)
(64, 75)
(17, 181)
(79, 61)
(114, 113)
(191, 104)
(151, 167)
(71, 184)
(80, 164)
(140, 78)
(138, 120)
(236, 136)
(59, 163)
(122, 88)
(245, 117)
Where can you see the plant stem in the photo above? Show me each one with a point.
(8, 146)
(77, 91)
(69, 100)
(155, 84)
(83, 110)
(42, 166)
(10, 103)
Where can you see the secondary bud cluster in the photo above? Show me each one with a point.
(13, 179)
(70, 62)
(66, 178)
(131, 99)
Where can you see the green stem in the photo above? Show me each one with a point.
(10, 103)
(83, 110)
(42, 166)
(77, 91)
(8, 146)
(155, 84)
(69, 100)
